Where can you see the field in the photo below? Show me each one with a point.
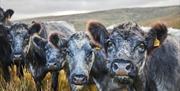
(143, 16)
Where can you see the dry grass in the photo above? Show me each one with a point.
(170, 21)
(144, 16)
(27, 83)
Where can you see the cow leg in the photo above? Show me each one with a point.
(20, 73)
(55, 81)
(131, 88)
(6, 73)
(38, 77)
(38, 85)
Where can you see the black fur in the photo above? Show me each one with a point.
(5, 16)
(5, 53)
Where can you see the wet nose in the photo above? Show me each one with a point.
(122, 67)
(79, 79)
(17, 52)
(52, 65)
(17, 56)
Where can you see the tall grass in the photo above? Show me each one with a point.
(27, 83)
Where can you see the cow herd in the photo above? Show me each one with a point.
(123, 57)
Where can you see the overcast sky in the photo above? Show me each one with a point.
(34, 8)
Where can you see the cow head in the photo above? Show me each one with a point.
(19, 38)
(53, 58)
(127, 47)
(80, 57)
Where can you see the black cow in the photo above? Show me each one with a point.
(5, 53)
(5, 16)
(48, 55)
(80, 58)
(99, 73)
(143, 61)
(19, 38)
(19, 35)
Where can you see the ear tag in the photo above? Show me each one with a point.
(156, 43)
(97, 48)
(36, 33)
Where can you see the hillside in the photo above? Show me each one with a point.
(144, 16)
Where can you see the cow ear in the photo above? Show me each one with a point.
(35, 28)
(97, 33)
(8, 13)
(57, 39)
(38, 43)
(156, 36)
(1, 13)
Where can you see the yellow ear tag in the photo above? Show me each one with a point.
(156, 43)
(36, 33)
(97, 48)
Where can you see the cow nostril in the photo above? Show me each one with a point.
(74, 79)
(128, 67)
(115, 66)
(84, 79)
(48, 64)
(55, 64)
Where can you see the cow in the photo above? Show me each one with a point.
(80, 58)
(5, 53)
(19, 38)
(19, 35)
(144, 61)
(5, 16)
(99, 73)
(86, 61)
(48, 54)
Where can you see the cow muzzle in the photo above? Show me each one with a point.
(79, 79)
(17, 57)
(53, 66)
(123, 71)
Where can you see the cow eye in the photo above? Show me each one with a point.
(109, 43)
(69, 53)
(141, 47)
(109, 46)
(10, 40)
(26, 41)
(89, 53)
